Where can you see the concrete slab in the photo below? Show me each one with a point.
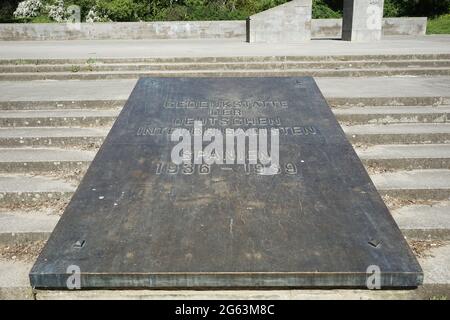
(286, 23)
(27, 191)
(398, 128)
(227, 295)
(398, 133)
(402, 86)
(405, 151)
(22, 133)
(21, 227)
(228, 265)
(14, 283)
(437, 266)
(386, 110)
(414, 179)
(67, 113)
(425, 221)
(389, 114)
(19, 222)
(59, 118)
(70, 90)
(406, 157)
(44, 154)
(362, 20)
(120, 89)
(217, 48)
(27, 183)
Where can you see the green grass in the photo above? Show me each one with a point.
(439, 298)
(440, 25)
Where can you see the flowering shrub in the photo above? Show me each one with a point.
(57, 12)
(28, 9)
(94, 16)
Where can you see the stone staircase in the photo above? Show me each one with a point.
(319, 66)
(43, 154)
(46, 146)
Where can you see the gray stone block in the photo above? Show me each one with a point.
(362, 20)
(405, 26)
(287, 23)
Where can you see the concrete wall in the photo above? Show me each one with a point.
(405, 26)
(326, 28)
(125, 30)
(321, 28)
(332, 28)
(286, 23)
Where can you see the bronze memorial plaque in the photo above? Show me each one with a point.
(226, 182)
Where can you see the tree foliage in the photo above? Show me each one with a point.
(148, 10)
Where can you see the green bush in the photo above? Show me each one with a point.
(118, 10)
(148, 10)
(423, 8)
(7, 9)
(321, 10)
(391, 9)
(214, 9)
(172, 13)
(41, 19)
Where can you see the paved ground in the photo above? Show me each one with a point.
(49, 90)
(211, 48)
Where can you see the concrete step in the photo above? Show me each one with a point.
(105, 117)
(19, 191)
(436, 266)
(93, 137)
(35, 160)
(424, 222)
(375, 91)
(348, 72)
(57, 160)
(267, 65)
(417, 222)
(52, 137)
(337, 294)
(14, 284)
(432, 184)
(14, 281)
(393, 114)
(62, 118)
(17, 227)
(406, 157)
(230, 59)
(436, 276)
(337, 103)
(414, 133)
(48, 105)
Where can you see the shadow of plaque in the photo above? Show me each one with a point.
(138, 220)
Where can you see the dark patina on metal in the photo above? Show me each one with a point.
(138, 221)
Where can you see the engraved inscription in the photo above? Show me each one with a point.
(210, 104)
(170, 168)
(284, 131)
(260, 121)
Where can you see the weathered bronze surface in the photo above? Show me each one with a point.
(138, 221)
